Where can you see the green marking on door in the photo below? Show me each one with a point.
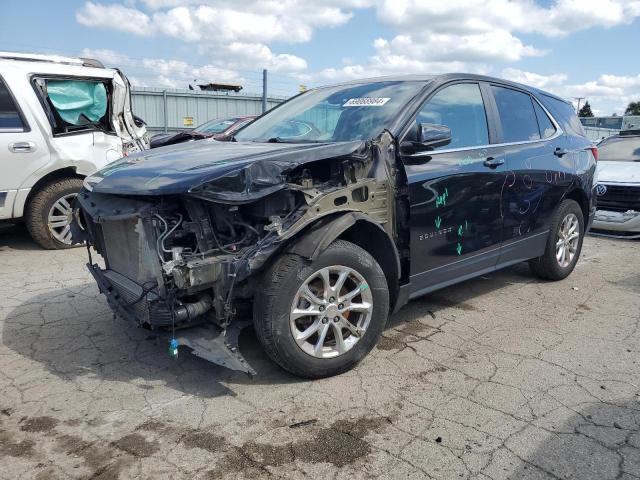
(459, 249)
(438, 222)
(441, 200)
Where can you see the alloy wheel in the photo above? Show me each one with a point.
(331, 311)
(567, 240)
(59, 218)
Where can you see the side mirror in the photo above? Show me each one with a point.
(138, 121)
(431, 135)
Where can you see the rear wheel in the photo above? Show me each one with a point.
(48, 215)
(320, 318)
(563, 245)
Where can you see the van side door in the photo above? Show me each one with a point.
(454, 190)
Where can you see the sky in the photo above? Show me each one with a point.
(573, 48)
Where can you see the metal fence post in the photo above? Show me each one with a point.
(164, 109)
(264, 90)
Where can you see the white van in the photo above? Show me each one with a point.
(61, 119)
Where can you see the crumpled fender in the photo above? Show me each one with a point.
(311, 244)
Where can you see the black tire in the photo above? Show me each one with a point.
(37, 211)
(274, 298)
(547, 266)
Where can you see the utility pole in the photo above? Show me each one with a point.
(579, 99)
(264, 90)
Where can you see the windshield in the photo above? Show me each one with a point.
(333, 114)
(215, 126)
(619, 149)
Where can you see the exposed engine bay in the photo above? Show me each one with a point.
(187, 263)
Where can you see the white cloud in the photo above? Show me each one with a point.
(158, 72)
(427, 36)
(534, 79)
(610, 93)
(115, 16)
(213, 21)
(473, 16)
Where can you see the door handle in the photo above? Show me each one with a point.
(22, 147)
(493, 162)
(560, 152)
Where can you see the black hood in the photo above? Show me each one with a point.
(231, 171)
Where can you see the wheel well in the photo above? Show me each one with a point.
(51, 176)
(375, 241)
(580, 197)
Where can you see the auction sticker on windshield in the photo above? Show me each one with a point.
(366, 102)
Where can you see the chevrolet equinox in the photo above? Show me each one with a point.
(331, 211)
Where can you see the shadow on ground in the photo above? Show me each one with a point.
(16, 237)
(600, 441)
(73, 334)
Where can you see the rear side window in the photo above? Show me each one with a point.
(517, 115)
(619, 149)
(564, 114)
(10, 118)
(544, 122)
(459, 107)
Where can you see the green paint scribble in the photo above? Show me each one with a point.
(438, 222)
(460, 230)
(459, 249)
(441, 200)
(364, 287)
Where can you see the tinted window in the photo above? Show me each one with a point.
(619, 149)
(564, 114)
(544, 122)
(460, 108)
(517, 116)
(9, 115)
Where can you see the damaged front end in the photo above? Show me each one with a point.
(183, 258)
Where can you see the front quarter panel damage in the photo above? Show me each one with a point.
(204, 247)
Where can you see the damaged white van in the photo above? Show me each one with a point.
(61, 119)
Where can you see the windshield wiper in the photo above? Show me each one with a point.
(293, 140)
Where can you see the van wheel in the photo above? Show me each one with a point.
(563, 245)
(320, 318)
(48, 215)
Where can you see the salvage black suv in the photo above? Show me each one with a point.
(335, 208)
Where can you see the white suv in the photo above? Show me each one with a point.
(61, 119)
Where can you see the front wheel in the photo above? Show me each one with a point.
(563, 245)
(320, 318)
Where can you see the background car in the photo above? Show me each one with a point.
(618, 189)
(61, 119)
(220, 129)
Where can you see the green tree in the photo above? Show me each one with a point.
(633, 109)
(585, 111)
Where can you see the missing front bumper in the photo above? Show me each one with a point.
(133, 303)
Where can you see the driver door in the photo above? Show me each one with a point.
(454, 191)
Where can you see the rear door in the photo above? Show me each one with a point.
(454, 191)
(23, 150)
(536, 177)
